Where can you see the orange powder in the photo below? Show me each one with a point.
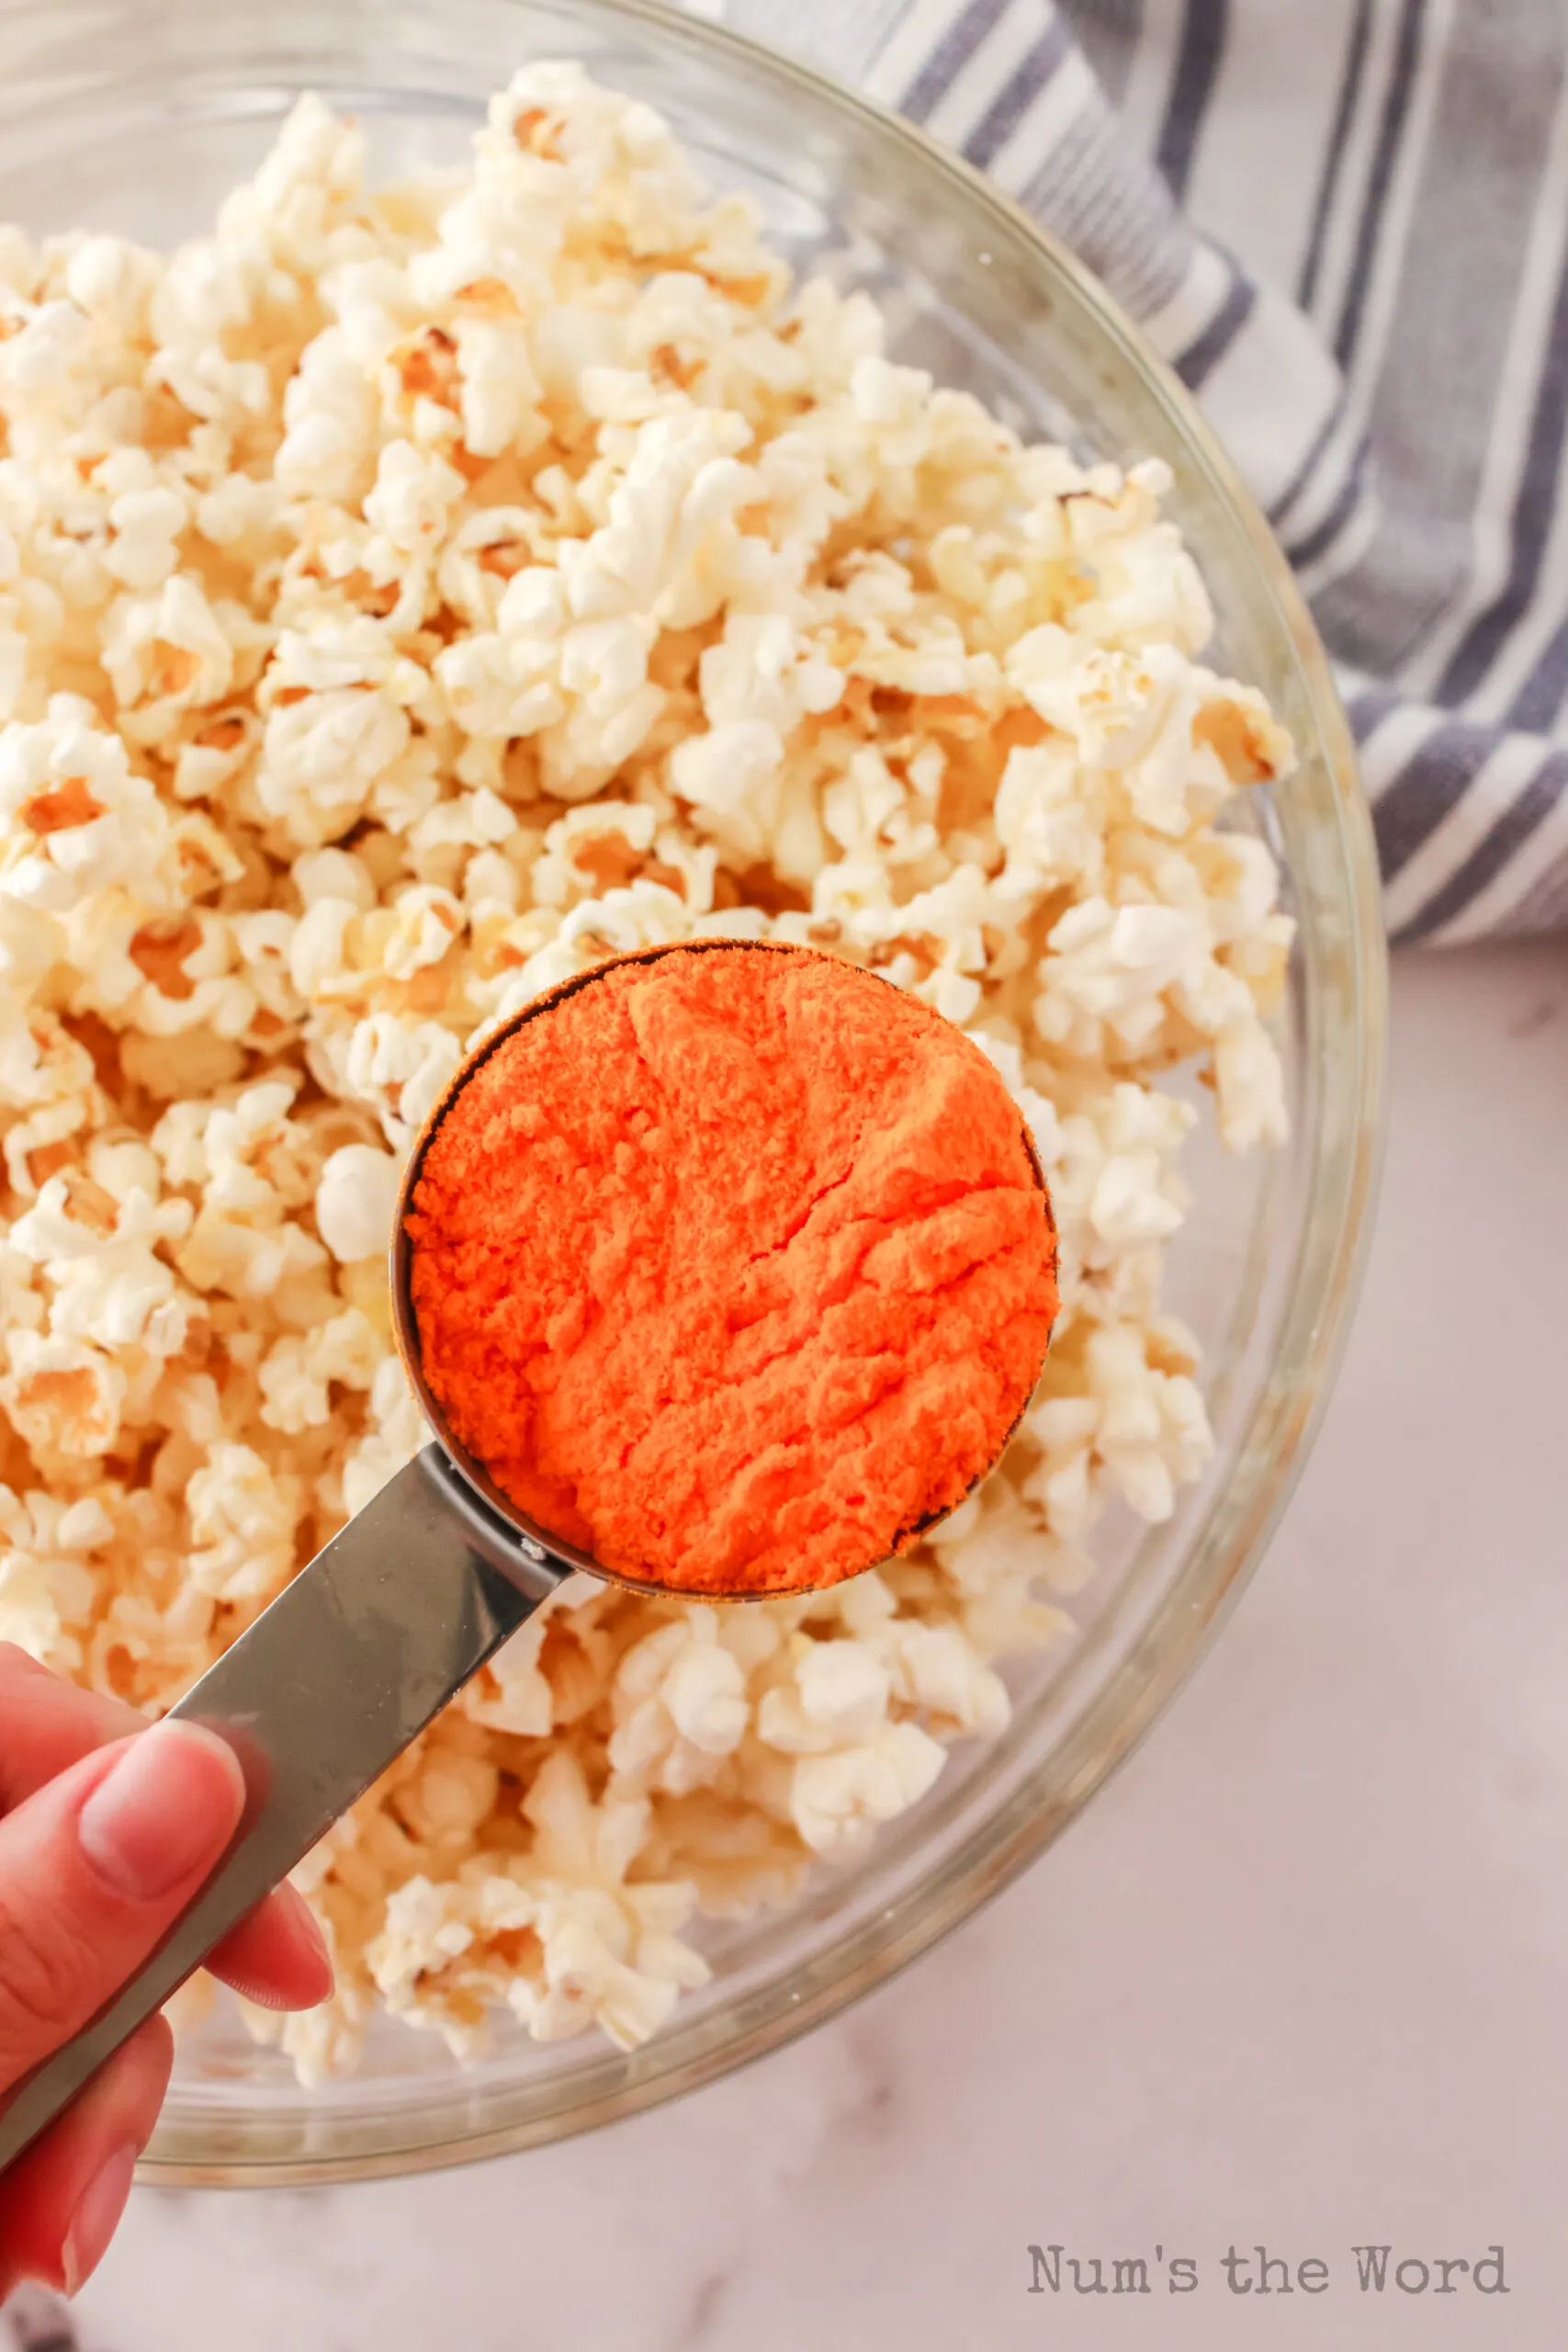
(733, 1266)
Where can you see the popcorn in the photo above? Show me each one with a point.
(837, 1800)
(98, 1259)
(243, 1520)
(62, 1398)
(404, 604)
(78, 820)
(296, 1377)
(396, 1432)
(414, 494)
(840, 1698)
(401, 1068)
(323, 756)
(680, 1704)
(46, 1585)
(356, 1201)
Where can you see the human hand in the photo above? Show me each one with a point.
(107, 1829)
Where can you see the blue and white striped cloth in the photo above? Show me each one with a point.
(1346, 223)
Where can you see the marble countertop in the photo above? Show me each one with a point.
(1297, 1978)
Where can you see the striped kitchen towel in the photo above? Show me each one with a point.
(1346, 223)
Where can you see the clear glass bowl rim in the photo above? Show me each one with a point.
(1341, 1192)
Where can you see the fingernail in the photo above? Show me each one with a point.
(96, 2218)
(168, 1808)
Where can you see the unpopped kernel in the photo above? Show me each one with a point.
(406, 601)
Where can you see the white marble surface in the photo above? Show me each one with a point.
(1299, 1975)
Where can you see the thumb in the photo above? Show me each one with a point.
(94, 1869)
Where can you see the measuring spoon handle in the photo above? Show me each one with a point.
(324, 1692)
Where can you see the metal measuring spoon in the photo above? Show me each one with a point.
(360, 1652)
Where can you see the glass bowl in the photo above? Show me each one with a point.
(138, 115)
